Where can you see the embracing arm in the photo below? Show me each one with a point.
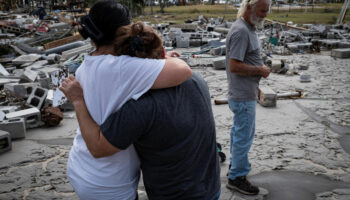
(243, 69)
(174, 72)
(96, 143)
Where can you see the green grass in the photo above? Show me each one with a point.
(194, 9)
(305, 18)
(320, 14)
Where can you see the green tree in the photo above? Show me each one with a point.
(91, 2)
(162, 4)
(135, 6)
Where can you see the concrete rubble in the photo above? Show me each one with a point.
(32, 50)
(37, 55)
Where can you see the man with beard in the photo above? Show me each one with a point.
(244, 68)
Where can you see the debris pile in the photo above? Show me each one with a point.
(276, 38)
(35, 55)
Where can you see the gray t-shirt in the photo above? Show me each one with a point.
(243, 44)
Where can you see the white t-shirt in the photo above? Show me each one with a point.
(108, 82)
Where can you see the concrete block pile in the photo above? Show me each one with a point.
(193, 33)
(276, 38)
(26, 85)
(24, 95)
(309, 38)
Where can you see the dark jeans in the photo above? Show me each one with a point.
(217, 196)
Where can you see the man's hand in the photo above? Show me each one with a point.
(72, 90)
(264, 71)
(172, 54)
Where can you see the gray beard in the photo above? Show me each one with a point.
(256, 22)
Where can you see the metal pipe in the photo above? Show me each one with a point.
(65, 47)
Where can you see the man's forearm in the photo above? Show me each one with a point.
(248, 70)
(243, 69)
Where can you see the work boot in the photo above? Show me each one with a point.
(242, 185)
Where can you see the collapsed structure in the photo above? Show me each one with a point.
(36, 54)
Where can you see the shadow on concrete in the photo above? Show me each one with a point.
(289, 185)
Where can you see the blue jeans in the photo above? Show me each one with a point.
(242, 136)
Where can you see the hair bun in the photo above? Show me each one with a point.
(137, 28)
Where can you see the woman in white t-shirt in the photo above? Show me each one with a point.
(110, 76)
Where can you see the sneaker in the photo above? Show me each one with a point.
(242, 185)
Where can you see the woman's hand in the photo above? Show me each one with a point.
(173, 54)
(72, 90)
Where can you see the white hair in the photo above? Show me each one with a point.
(244, 6)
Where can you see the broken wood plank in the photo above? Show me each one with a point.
(285, 24)
(62, 41)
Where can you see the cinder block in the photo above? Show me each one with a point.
(267, 97)
(29, 75)
(182, 42)
(305, 77)
(174, 32)
(304, 46)
(30, 58)
(5, 141)
(218, 51)
(37, 97)
(8, 109)
(208, 40)
(195, 42)
(44, 80)
(219, 62)
(32, 117)
(21, 89)
(16, 127)
(341, 53)
(276, 65)
(168, 43)
(330, 44)
(330, 35)
(344, 44)
(292, 47)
